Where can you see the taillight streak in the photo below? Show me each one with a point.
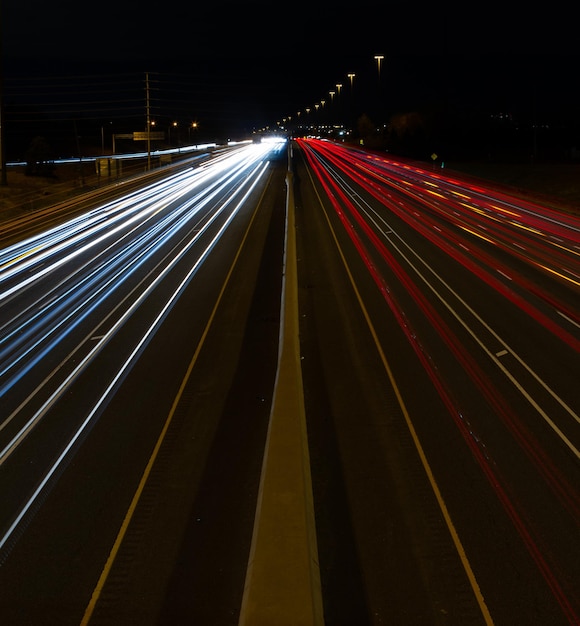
(565, 492)
(451, 244)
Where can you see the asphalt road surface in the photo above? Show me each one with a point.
(439, 344)
(141, 366)
(440, 356)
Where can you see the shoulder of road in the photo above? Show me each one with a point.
(556, 184)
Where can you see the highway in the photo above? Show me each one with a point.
(441, 358)
(439, 340)
(132, 335)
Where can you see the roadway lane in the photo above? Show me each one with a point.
(148, 376)
(28, 222)
(439, 347)
(440, 353)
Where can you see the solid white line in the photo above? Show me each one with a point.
(568, 319)
(575, 451)
(145, 476)
(128, 362)
(416, 441)
(503, 274)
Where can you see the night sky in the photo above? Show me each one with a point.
(247, 64)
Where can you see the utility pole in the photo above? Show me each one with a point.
(3, 178)
(148, 109)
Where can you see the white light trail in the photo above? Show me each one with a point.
(29, 337)
(124, 367)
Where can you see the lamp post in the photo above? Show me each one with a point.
(3, 176)
(192, 126)
(331, 112)
(352, 112)
(148, 121)
(378, 59)
(339, 105)
(172, 125)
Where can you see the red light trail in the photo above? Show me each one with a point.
(465, 228)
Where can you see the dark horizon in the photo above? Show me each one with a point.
(234, 69)
(229, 103)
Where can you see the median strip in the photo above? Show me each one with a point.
(283, 579)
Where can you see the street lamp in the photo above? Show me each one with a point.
(352, 115)
(192, 126)
(378, 59)
(174, 125)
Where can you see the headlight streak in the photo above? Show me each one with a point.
(79, 226)
(249, 185)
(249, 170)
(149, 213)
(47, 245)
(48, 308)
(128, 363)
(566, 492)
(144, 213)
(120, 268)
(130, 256)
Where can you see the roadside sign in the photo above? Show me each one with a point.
(154, 136)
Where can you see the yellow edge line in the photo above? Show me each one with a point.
(144, 478)
(449, 522)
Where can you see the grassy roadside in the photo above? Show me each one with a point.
(25, 194)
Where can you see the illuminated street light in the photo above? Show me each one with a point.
(172, 125)
(339, 87)
(378, 59)
(192, 126)
(351, 76)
